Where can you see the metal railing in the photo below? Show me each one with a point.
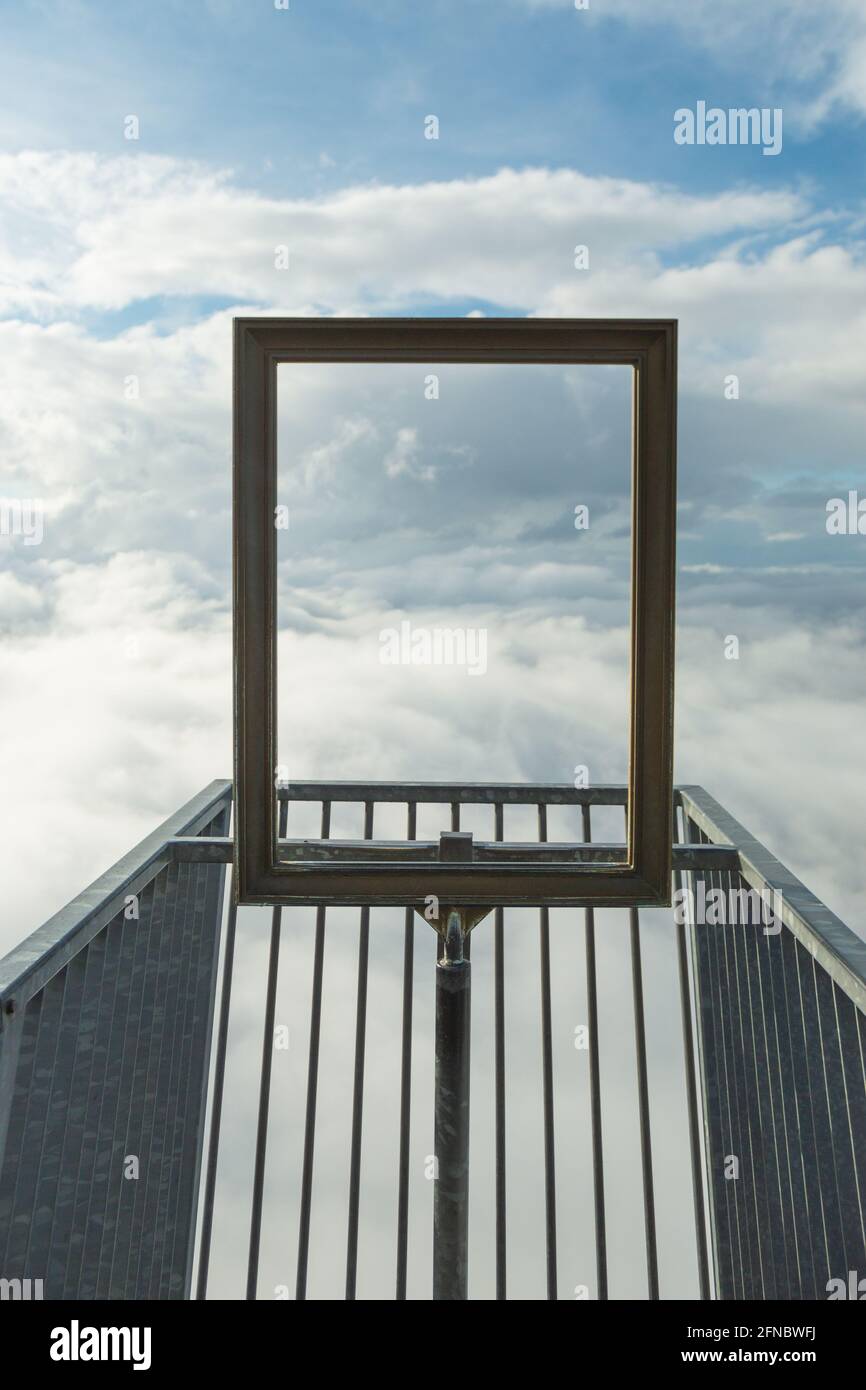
(106, 1036)
(781, 992)
(105, 1024)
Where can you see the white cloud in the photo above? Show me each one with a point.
(119, 230)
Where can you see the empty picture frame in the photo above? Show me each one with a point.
(642, 876)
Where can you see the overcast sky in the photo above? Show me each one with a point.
(122, 263)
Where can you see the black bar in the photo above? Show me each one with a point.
(547, 1082)
(312, 1086)
(499, 1076)
(465, 793)
(692, 1095)
(405, 1080)
(595, 1088)
(643, 1105)
(358, 1089)
(217, 1106)
(451, 1119)
(265, 1089)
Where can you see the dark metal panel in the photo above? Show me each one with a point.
(841, 1135)
(797, 1050)
(185, 949)
(155, 1098)
(63, 1215)
(772, 1226)
(118, 1185)
(106, 1173)
(855, 1099)
(800, 1276)
(125, 1258)
(834, 1223)
(31, 1152)
(48, 1176)
(11, 1032)
(88, 1093)
(800, 1259)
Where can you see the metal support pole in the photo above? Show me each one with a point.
(451, 1117)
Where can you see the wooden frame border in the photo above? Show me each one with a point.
(650, 347)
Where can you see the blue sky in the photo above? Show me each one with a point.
(270, 92)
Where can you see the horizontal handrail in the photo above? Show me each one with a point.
(466, 793)
(29, 966)
(834, 946)
(220, 850)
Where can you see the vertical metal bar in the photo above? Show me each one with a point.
(265, 1087)
(405, 1080)
(217, 1105)
(643, 1106)
(848, 1045)
(547, 1081)
(753, 1175)
(499, 1075)
(201, 1032)
(691, 1094)
(738, 1189)
(595, 1086)
(451, 1117)
(205, 927)
(358, 1090)
(716, 1122)
(312, 1085)
(455, 825)
(185, 946)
